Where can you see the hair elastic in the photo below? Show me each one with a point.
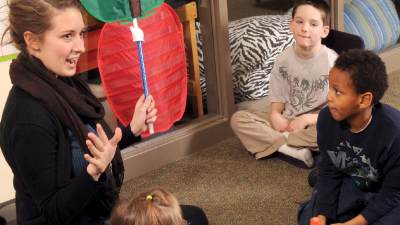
(149, 197)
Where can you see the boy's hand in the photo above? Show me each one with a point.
(145, 113)
(102, 150)
(279, 123)
(322, 219)
(358, 220)
(302, 121)
(298, 123)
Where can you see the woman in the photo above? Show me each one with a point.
(52, 133)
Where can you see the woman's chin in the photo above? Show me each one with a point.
(67, 72)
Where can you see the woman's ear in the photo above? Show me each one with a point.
(366, 100)
(32, 42)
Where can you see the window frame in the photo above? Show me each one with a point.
(206, 130)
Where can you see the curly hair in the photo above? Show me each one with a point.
(321, 5)
(367, 72)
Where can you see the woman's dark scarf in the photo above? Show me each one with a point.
(68, 98)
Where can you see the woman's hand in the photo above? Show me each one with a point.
(102, 150)
(145, 113)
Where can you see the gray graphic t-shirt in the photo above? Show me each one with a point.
(302, 84)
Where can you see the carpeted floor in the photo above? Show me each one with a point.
(232, 187)
(392, 96)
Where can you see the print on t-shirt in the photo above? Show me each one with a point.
(351, 160)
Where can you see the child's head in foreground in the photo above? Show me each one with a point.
(310, 22)
(154, 207)
(357, 82)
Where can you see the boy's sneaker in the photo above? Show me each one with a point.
(302, 154)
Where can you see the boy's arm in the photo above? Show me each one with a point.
(330, 178)
(311, 118)
(388, 196)
(277, 93)
(308, 118)
(279, 122)
(302, 121)
(358, 220)
(328, 187)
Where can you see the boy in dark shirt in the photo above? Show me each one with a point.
(359, 140)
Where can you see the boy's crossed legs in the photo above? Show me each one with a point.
(257, 135)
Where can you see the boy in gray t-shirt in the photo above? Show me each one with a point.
(298, 90)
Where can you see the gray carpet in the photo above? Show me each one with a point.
(392, 95)
(232, 187)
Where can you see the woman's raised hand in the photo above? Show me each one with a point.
(102, 150)
(145, 113)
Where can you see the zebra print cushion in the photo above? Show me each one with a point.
(255, 43)
(203, 84)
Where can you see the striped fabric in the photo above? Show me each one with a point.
(255, 42)
(376, 21)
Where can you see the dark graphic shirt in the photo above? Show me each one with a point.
(370, 158)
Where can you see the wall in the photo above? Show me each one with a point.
(6, 187)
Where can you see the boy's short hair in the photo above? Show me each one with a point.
(367, 72)
(321, 5)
